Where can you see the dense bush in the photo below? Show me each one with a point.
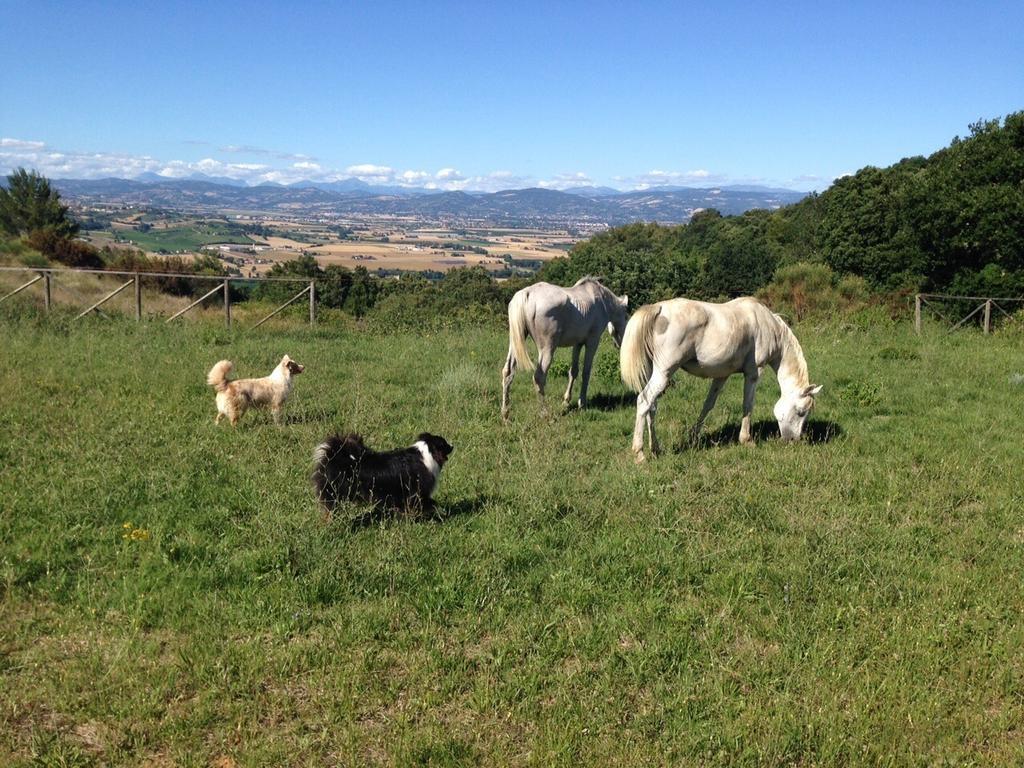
(467, 295)
(67, 251)
(177, 272)
(805, 289)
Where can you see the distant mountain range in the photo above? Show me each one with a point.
(582, 206)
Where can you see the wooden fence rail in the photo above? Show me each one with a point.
(47, 274)
(930, 300)
(106, 298)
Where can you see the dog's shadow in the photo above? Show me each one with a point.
(440, 512)
(816, 432)
(311, 416)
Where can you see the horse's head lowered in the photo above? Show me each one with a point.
(792, 409)
(618, 316)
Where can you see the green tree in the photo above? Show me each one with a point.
(29, 204)
(362, 294)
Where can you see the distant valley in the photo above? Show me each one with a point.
(584, 209)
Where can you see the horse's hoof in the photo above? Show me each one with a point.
(639, 458)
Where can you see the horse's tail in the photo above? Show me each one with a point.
(517, 331)
(636, 357)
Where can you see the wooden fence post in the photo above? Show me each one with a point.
(227, 303)
(917, 314)
(312, 303)
(138, 297)
(988, 315)
(46, 291)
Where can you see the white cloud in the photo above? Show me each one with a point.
(660, 178)
(287, 168)
(369, 169)
(567, 181)
(21, 144)
(246, 149)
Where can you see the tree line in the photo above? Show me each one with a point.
(951, 222)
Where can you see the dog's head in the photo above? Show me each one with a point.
(291, 365)
(439, 448)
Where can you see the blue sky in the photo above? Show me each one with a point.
(474, 95)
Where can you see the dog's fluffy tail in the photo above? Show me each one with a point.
(218, 375)
(335, 465)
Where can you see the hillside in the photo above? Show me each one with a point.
(952, 221)
(522, 207)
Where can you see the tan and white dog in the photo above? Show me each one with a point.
(234, 398)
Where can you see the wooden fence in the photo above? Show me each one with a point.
(47, 275)
(980, 304)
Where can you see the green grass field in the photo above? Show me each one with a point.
(184, 238)
(171, 596)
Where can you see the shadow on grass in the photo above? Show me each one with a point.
(605, 402)
(314, 416)
(816, 432)
(439, 514)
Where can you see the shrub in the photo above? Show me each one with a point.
(808, 289)
(71, 253)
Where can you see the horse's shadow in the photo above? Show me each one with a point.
(606, 402)
(816, 432)
(440, 513)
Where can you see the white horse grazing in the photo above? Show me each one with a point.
(560, 317)
(713, 341)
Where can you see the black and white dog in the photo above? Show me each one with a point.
(346, 470)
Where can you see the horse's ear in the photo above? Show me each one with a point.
(812, 389)
(624, 301)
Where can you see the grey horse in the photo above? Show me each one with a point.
(560, 317)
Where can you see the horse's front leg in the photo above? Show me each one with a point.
(508, 372)
(588, 365)
(750, 379)
(709, 402)
(573, 370)
(646, 408)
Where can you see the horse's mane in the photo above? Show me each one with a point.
(595, 281)
(792, 345)
(583, 301)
